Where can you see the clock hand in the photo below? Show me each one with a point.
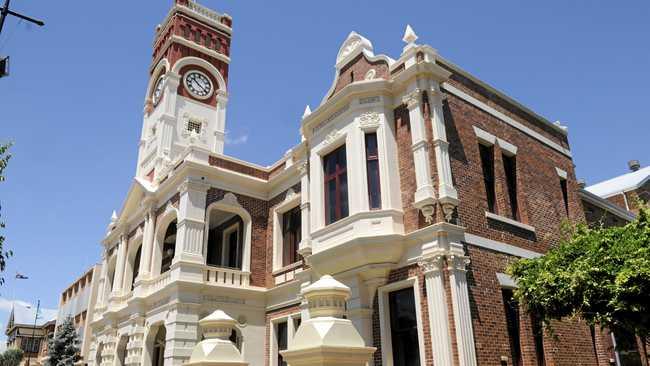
(196, 84)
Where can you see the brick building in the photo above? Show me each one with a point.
(628, 190)
(29, 332)
(414, 183)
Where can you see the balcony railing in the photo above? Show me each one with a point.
(226, 276)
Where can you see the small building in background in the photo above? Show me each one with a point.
(77, 301)
(28, 332)
(628, 190)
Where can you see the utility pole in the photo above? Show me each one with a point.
(4, 61)
(38, 308)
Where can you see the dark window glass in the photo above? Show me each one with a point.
(233, 249)
(626, 347)
(291, 236)
(136, 266)
(336, 185)
(158, 358)
(372, 166)
(487, 163)
(169, 248)
(214, 247)
(282, 341)
(565, 195)
(403, 328)
(510, 167)
(538, 337)
(512, 321)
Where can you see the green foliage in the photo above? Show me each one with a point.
(600, 274)
(11, 357)
(63, 348)
(4, 254)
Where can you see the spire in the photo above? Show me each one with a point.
(307, 111)
(409, 37)
(113, 217)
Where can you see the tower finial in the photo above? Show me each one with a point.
(307, 111)
(409, 35)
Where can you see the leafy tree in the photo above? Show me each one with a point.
(600, 274)
(4, 159)
(11, 357)
(63, 348)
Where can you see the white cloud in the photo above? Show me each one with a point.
(6, 304)
(236, 140)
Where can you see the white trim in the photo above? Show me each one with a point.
(501, 247)
(273, 341)
(506, 281)
(486, 138)
(561, 173)
(512, 122)
(384, 318)
(234, 228)
(509, 221)
(191, 60)
(290, 202)
(229, 204)
(506, 147)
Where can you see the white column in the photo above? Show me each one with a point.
(437, 304)
(220, 130)
(425, 193)
(147, 245)
(447, 194)
(305, 232)
(120, 265)
(191, 221)
(460, 303)
(103, 282)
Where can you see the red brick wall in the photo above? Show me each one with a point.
(538, 185)
(359, 66)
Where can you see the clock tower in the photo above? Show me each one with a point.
(187, 93)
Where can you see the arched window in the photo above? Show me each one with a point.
(136, 266)
(169, 247)
(225, 240)
(158, 355)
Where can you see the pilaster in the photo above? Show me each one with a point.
(305, 242)
(191, 221)
(135, 346)
(147, 245)
(432, 266)
(425, 196)
(219, 133)
(118, 284)
(182, 333)
(447, 194)
(457, 263)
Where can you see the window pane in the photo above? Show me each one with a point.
(282, 341)
(331, 201)
(512, 321)
(374, 190)
(404, 331)
(371, 145)
(343, 182)
(487, 163)
(510, 167)
(565, 194)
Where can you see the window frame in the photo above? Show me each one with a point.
(488, 184)
(296, 234)
(509, 162)
(291, 201)
(290, 320)
(336, 177)
(384, 318)
(369, 158)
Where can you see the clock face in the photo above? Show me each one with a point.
(198, 84)
(158, 90)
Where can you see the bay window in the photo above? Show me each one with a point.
(336, 185)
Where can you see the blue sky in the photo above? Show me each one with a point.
(73, 104)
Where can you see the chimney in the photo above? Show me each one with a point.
(634, 165)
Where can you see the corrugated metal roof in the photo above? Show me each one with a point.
(622, 183)
(24, 314)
